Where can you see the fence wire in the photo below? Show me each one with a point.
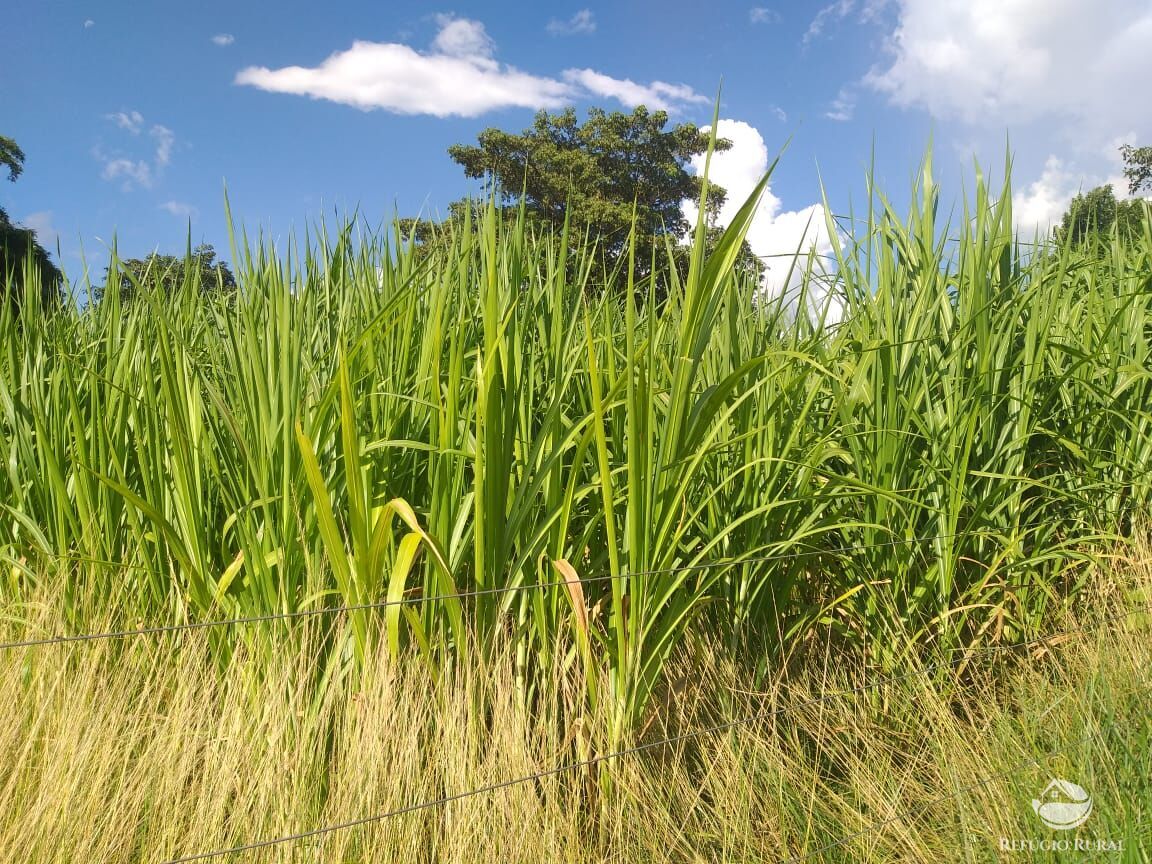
(695, 733)
(483, 592)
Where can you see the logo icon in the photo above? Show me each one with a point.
(1063, 805)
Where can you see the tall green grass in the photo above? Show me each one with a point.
(365, 421)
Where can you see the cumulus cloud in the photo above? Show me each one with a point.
(583, 22)
(223, 39)
(776, 234)
(181, 209)
(134, 169)
(1012, 62)
(1056, 75)
(459, 37)
(1039, 206)
(446, 82)
(459, 76)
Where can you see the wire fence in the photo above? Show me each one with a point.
(756, 717)
(966, 655)
(504, 589)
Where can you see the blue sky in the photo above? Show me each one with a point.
(133, 116)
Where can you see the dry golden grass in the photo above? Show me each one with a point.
(149, 749)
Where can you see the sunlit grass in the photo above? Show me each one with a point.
(146, 750)
(364, 421)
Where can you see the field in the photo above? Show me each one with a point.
(499, 519)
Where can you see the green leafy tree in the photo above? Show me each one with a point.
(169, 273)
(11, 157)
(1096, 212)
(19, 248)
(1137, 167)
(595, 172)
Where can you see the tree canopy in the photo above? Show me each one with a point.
(597, 168)
(167, 273)
(595, 173)
(1137, 167)
(11, 157)
(1097, 212)
(19, 247)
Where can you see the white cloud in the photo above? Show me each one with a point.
(89, 23)
(165, 139)
(223, 39)
(459, 76)
(776, 234)
(181, 209)
(829, 14)
(659, 95)
(842, 108)
(763, 15)
(837, 11)
(132, 121)
(1060, 76)
(993, 62)
(1039, 206)
(139, 171)
(41, 223)
(459, 37)
(582, 22)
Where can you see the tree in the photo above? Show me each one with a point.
(19, 248)
(1090, 213)
(11, 157)
(168, 273)
(595, 172)
(1094, 214)
(1137, 167)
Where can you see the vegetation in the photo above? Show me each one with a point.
(613, 177)
(167, 274)
(590, 174)
(360, 423)
(1137, 167)
(1096, 213)
(24, 262)
(612, 517)
(146, 750)
(11, 158)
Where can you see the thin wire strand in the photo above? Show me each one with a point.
(585, 763)
(483, 592)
